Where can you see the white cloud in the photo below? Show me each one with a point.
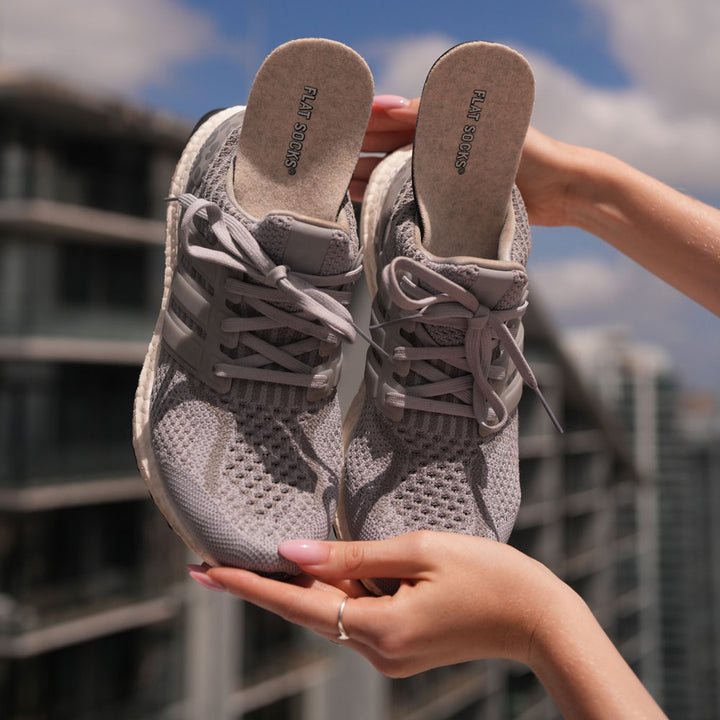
(401, 65)
(682, 150)
(586, 292)
(577, 284)
(117, 45)
(669, 48)
(581, 286)
(665, 122)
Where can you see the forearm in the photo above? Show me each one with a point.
(672, 235)
(582, 670)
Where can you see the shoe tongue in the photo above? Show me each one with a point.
(489, 285)
(304, 245)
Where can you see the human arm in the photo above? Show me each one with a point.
(671, 234)
(462, 598)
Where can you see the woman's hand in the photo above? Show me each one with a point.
(670, 234)
(461, 597)
(391, 126)
(542, 176)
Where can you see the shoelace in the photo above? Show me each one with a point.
(452, 306)
(317, 308)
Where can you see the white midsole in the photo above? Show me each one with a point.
(142, 439)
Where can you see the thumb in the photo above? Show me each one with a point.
(404, 556)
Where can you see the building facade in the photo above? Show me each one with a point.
(674, 439)
(97, 617)
(90, 585)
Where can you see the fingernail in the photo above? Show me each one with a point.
(198, 574)
(387, 102)
(304, 552)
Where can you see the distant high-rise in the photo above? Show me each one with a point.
(681, 461)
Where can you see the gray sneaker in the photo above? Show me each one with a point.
(236, 423)
(432, 436)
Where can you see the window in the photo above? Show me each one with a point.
(523, 692)
(580, 533)
(103, 276)
(132, 674)
(527, 540)
(626, 575)
(65, 421)
(107, 172)
(581, 472)
(416, 692)
(16, 160)
(104, 173)
(59, 564)
(271, 646)
(71, 289)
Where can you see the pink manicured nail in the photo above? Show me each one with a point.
(198, 574)
(388, 102)
(304, 552)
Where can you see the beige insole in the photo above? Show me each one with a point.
(304, 124)
(474, 114)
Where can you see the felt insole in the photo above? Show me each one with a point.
(304, 124)
(474, 114)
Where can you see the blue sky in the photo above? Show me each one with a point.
(637, 78)
(564, 28)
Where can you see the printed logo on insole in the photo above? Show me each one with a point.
(299, 131)
(475, 108)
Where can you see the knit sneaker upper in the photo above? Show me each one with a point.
(435, 444)
(245, 422)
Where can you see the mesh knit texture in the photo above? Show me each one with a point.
(404, 228)
(433, 471)
(260, 464)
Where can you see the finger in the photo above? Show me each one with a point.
(407, 114)
(387, 141)
(304, 601)
(363, 641)
(367, 621)
(396, 117)
(351, 588)
(382, 121)
(313, 607)
(199, 574)
(364, 167)
(406, 556)
(375, 623)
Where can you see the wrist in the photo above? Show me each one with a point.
(539, 609)
(557, 633)
(580, 667)
(591, 188)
